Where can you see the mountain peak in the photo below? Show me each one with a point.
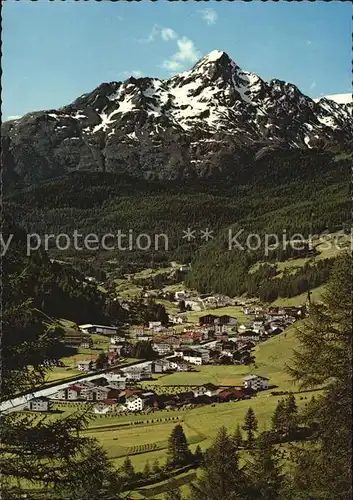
(215, 55)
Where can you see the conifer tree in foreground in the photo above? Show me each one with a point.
(178, 449)
(238, 437)
(325, 357)
(250, 426)
(127, 468)
(53, 455)
(221, 476)
(264, 472)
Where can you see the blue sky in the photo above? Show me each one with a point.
(55, 51)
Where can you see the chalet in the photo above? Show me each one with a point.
(209, 390)
(178, 364)
(162, 348)
(208, 319)
(74, 392)
(115, 376)
(231, 394)
(227, 320)
(135, 403)
(256, 382)
(86, 365)
(39, 404)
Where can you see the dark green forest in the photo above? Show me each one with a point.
(296, 192)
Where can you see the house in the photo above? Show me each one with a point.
(256, 382)
(258, 326)
(162, 348)
(181, 295)
(161, 365)
(178, 319)
(61, 394)
(116, 349)
(86, 365)
(102, 408)
(74, 392)
(116, 380)
(208, 319)
(205, 354)
(227, 320)
(117, 340)
(134, 403)
(39, 404)
(87, 343)
(154, 324)
(178, 364)
(231, 394)
(209, 390)
(193, 357)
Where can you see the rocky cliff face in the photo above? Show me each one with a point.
(197, 123)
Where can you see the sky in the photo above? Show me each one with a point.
(54, 52)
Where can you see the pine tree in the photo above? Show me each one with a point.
(250, 426)
(127, 468)
(147, 469)
(156, 468)
(325, 357)
(221, 477)
(279, 418)
(178, 449)
(264, 472)
(238, 438)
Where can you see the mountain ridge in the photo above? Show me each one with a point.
(207, 120)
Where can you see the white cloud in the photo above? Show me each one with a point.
(168, 34)
(13, 117)
(165, 33)
(187, 53)
(210, 16)
(312, 85)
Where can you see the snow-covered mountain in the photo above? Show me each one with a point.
(189, 124)
(339, 98)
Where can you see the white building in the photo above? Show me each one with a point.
(256, 382)
(162, 348)
(39, 404)
(101, 329)
(134, 403)
(86, 365)
(154, 324)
